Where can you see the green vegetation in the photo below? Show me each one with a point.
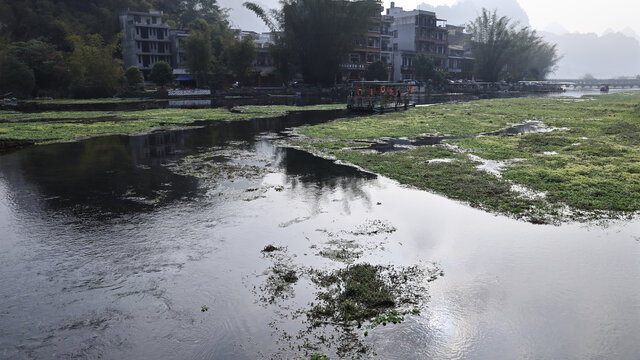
(364, 292)
(318, 356)
(54, 126)
(317, 34)
(204, 308)
(161, 73)
(504, 52)
(63, 48)
(377, 71)
(586, 158)
(349, 299)
(285, 108)
(133, 76)
(199, 53)
(90, 101)
(425, 70)
(95, 72)
(270, 248)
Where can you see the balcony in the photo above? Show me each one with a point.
(353, 66)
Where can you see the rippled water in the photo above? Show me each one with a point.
(107, 252)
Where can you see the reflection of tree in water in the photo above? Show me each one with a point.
(123, 174)
(114, 174)
(320, 176)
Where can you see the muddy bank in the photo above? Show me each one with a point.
(7, 145)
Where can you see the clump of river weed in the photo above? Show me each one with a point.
(349, 301)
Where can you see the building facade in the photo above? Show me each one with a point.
(460, 62)
(366, 50)
(148, 39)
(415, 33)
(263, 69)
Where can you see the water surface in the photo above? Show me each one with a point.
(106, 251)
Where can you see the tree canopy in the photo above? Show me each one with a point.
(317, 34)
(94, 70)
(72, 46)
(377, 71)
(133, 76)
(161, 73)
(502, 51)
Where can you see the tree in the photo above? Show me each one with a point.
(529, 57)
(133, 76)
(15, 77)
(502, 51)
(198, 51)
(377, 71)
(319, 34)
(490, 41)
(41, 57)
(95, 72)
(423, 68)
(161, 73)
(241, 55)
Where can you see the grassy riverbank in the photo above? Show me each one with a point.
(57, 126)
(584, 162)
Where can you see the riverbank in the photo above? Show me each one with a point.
(571, 159)
(59, 126)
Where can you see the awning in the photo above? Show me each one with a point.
(184, 78)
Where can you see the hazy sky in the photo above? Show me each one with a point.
(573, 15)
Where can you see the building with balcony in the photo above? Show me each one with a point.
(386, 43)
(263, 68)
(366, 50)
(460, 61)
(148, 39)
(415, 33)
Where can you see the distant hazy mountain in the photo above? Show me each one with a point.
(465, 11)
(607, 56)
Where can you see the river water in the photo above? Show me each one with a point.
(109, 248)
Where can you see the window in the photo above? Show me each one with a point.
(153, 20)
(395, 34)
(370, 58)
(136, 18)
(395, 47)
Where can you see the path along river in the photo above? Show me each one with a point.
(110, 246)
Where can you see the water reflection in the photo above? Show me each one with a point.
(123, 174)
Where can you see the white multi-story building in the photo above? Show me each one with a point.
(416, 32)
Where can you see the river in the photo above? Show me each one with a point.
(109, 248)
